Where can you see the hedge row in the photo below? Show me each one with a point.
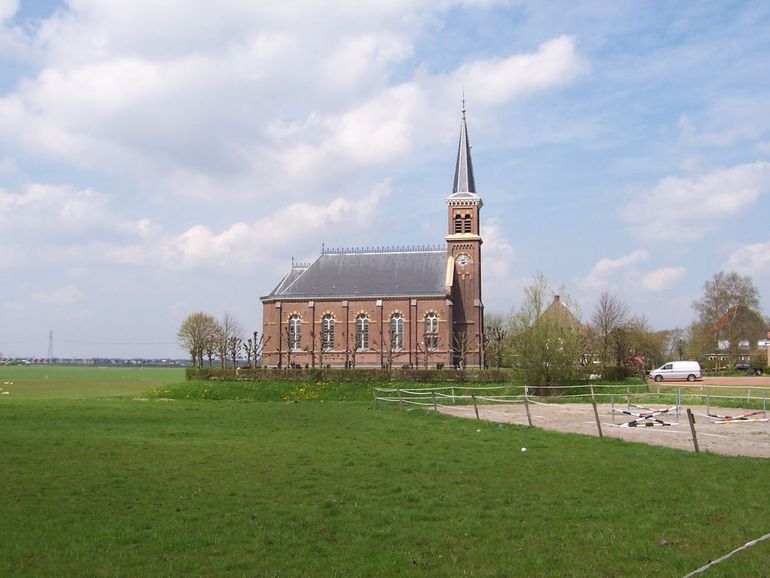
(347, 375)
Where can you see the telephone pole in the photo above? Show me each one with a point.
(50, 347)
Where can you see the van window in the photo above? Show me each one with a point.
(668, 366)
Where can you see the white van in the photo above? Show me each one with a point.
(689, 370)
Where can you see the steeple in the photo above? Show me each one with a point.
(464, 181)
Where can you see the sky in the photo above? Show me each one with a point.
(162, 158)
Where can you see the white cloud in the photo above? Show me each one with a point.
(753, 259)
(662, 278)
(7, 9)
(495, 81)
(51, 210)
(223, 101)
(242, 244)
(686, 209)
(607, 271)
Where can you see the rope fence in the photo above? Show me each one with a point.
(629, 406)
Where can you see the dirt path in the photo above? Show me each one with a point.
(750, 439)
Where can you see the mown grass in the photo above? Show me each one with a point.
(124, 487)
(40, 381)
(317, 486)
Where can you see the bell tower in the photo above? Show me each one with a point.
(464, 249)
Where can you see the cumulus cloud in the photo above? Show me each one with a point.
(607, 271)
(689, 208)
(494, 81)
(752, 259)
(53, 211)
(660, 279)
(222, 102)
(246, 244)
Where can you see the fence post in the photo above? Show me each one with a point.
(526, 405)
(691, 419)
(598, 423)
(400, 401)
(433, 394)
(628, 398)
(764, 402)
(613, 408)
(374, 395)
(475, 407)
(708, 404)
(748, 395)
(454, 401)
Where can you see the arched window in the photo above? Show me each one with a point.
(327, 332)
(295, 333)
(458, 224)
(467, 224)
(431, 331)
(396, 332)
(362, 333)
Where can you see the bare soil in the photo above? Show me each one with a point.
(745, 438)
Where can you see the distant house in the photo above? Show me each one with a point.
(559, 314)
(737, 335)
(387, 307)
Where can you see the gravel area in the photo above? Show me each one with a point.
(747, 438)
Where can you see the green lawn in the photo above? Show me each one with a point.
(105, 487)
(41, 381)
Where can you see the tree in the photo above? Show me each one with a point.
(495, 338)
(463, 344)
(608, 322)
(227, 330)
(253, 347)
(727, 315)
(196, 335)
(547, 341)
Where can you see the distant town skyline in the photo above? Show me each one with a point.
(158, 159)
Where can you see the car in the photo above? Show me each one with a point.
(689, 370)
(748, 368)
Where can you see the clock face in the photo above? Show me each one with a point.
(463, 261)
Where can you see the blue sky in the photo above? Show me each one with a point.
(159, 158)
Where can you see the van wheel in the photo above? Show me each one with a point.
(691, 377)
(658, 378)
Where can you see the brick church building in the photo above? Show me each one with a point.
(395, 307)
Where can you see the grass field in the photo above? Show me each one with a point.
(113, 486)
(41, 381)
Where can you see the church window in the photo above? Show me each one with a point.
(467, 228)
(295, 333)
(327, 332)
(431, 331)
(458, 224)
(362, 333)
(397, 332)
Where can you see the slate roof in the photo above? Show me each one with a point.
(464, 181)
(359, 274)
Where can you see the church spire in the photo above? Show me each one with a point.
(464, 181)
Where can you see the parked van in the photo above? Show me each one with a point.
(689, 370)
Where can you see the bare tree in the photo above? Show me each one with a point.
(609, 322)
(495, 337)
(234, 343)
(462, 346)
(228, 328)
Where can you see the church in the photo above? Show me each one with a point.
(387, 307)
